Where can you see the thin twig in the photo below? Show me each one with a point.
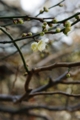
(57, 65)
(25, 66)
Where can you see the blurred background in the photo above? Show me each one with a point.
(60, 48)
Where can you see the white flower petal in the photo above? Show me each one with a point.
(41, 45)
(34, 46)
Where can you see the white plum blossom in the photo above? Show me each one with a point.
(34, 46)
(40, 46)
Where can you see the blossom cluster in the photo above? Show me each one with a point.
(38, 46)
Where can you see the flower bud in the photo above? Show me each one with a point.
(54, 20)
(15, 21)
(20, 21)
(68, 75)
(43, 26)
(66, 30)
(42, 33)
(67, 24)
(58, 30)
(29, 34)
(41, 11)
(45, 9)
(45, 23)
(45, 30)
(24, 34)
(77, 17)
(60, 5)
